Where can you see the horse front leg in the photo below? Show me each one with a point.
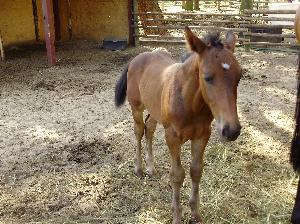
(177, 173)
(149, 132)
(139, 127)
(196, 169)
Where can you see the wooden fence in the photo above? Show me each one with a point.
(257, 27)
(266, 28)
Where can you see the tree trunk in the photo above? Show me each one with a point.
(189, 5)
(196, 5)
(246, 4)
(151, 6)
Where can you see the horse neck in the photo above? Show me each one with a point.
(191, 90)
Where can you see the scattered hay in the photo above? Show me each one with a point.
(67, 157)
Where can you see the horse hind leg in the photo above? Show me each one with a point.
(139, 127)
(150, 126)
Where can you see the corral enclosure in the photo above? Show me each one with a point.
(66, 152)
(265, 24)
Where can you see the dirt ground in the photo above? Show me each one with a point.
(66, 152)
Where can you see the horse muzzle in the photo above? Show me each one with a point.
(231, 133)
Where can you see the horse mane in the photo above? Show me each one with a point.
(211, 39)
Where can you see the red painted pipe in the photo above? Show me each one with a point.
(49, 32)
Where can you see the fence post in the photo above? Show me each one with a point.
(135, 21)
(248, 46)
(246, 4)
(130, 23)
(189, 5)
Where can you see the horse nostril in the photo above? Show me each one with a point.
(225, 131)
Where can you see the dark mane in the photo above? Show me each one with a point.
(213, 39)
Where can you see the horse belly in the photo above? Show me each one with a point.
(151, 98)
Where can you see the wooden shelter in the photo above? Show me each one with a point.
(28, 21)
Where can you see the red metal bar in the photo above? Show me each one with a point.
(49, 32)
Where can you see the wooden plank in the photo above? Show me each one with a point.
(268, 18)
(162, 41)
(35, 20)
(247, 11)
(194, 21)
(267, 2)
(57, 22)
(267, 26)
(269, 35)
(205, 2)
(2, 55)
(184, 14)
(158, 36)
(171, 38)
(216, 28)
(49, 32)
(161, 37)
(271, 44)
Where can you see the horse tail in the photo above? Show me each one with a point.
(295, 145)
(121, 88)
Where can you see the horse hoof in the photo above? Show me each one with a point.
(139, 173)
(151, 173)
(195, 220)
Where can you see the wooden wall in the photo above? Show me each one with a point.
(92, 20)
(16, 21)
(97, 19)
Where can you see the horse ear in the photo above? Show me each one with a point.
(193, 42)
(230, 40)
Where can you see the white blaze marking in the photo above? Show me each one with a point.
(226, 66)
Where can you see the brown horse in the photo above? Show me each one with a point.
(184, 98)
(295, 146)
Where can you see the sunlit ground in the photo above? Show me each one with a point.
(67, 153)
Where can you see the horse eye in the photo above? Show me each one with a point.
(209, 79)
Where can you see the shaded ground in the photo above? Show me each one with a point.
(66, 153)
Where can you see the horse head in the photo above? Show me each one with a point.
(219, 75)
